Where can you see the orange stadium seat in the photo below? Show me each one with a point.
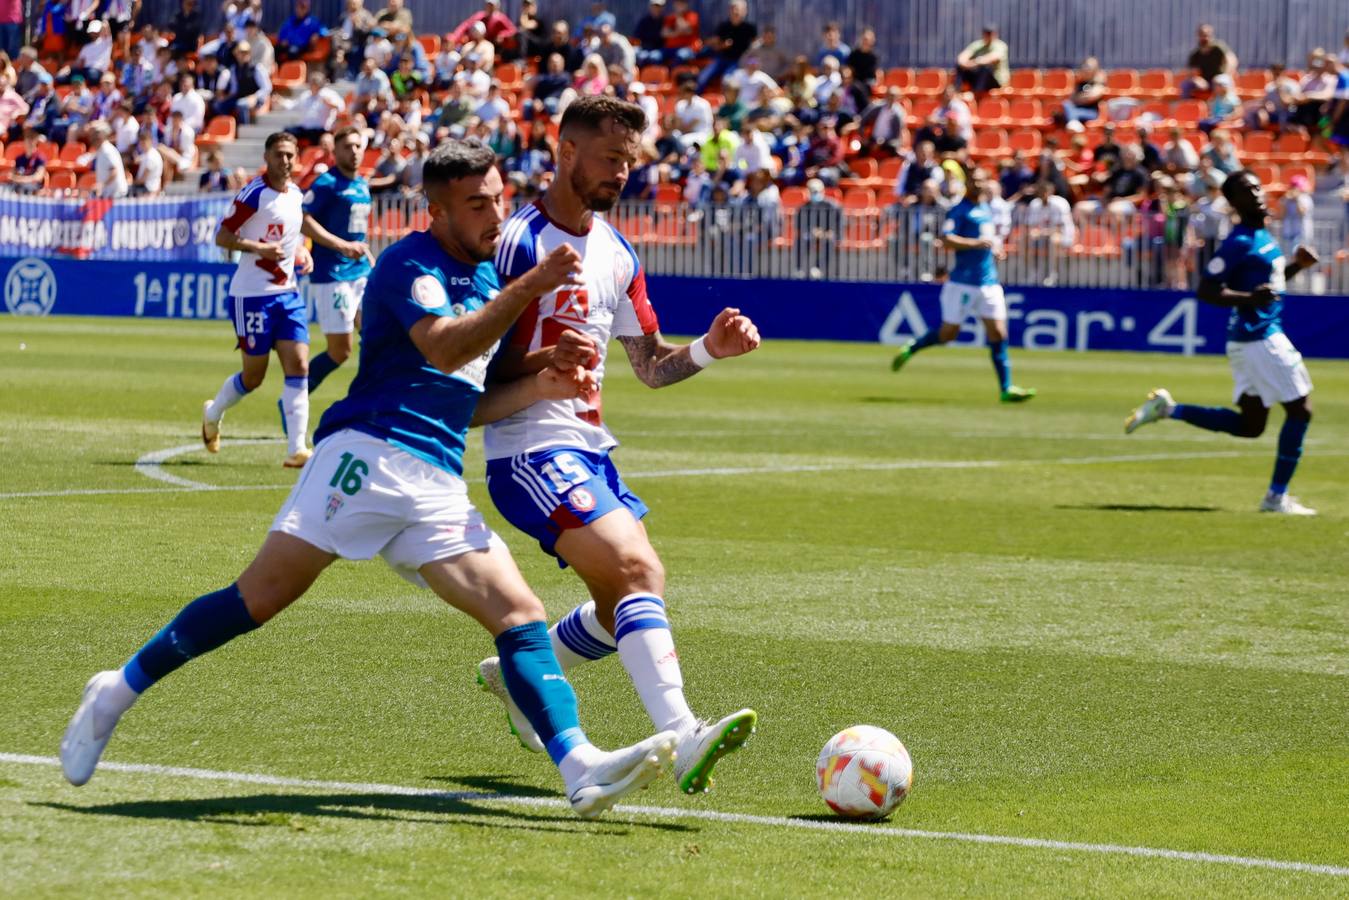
(989, 143)
(1027, 113)
(1056, 84)
(1157, 84)
(655, 76)
(1027, 140)
(1187, 113)
(1022, 83)
(1306, 170)
(86, 182)
(13, 151)
(1122, 83)
(1289, 147)
(1258, 145)
(220, 130)
(900, 77)
(669, 194)
(510, 76)
(922, 108)
(991, 112)
(430, 43)
(61, 181)
(794, 197)
(929, 81)
(319, 53)
(890, 169)
(291, 76)
(1251, 83)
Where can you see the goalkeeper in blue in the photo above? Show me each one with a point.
(386, 478)
(1248, 274)
(973, 287)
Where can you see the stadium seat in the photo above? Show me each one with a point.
(220, 130)
(13, 151)
(1056, 84)
(390, 224)
(992, 112)
(1257, 145)
(369, 160)
(69, 158)
(900, 77)
(1022, 83)
(86, 182)
(291, 76)
(1026, 113)
(1187, 113)
(430, 43)
(61, 181)
(1158, 112)
(1027, 140)
(989, 143)
(319, 53)
(510, 76)
(1157, 84)
(668, 194)
(930, 82)
(1251, 83)
(890, 169)
(921, 108)
(1268, 175)
(794, 197)
(655, 77)
(1122, 83)
(1306, 170)
(1289, 147)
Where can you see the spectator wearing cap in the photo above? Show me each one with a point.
(1223, 105)
(107, 97)
(731, 40)
(497, 26)
(318, 109)
(862, 60)
(650, 41)
(639, 95)
(983, 66)
(832, 46)
(252, 86)
(683, 39)
(349, 39)
(395, 17)
(299, 33)
(615, 50)
(559, 41)
(1209, 59)
(94, 58)
(477, 45)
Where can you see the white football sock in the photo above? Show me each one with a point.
(295, 405)
(230, 393)
(114, 697)
(646, 647)
(579, 637)
(577, 762)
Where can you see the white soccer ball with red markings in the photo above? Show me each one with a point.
(864, 772)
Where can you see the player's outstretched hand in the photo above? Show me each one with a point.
(575, 349)
(731, 334)
(1305, 257)
(568, 384)
(272, 251)
(562, 266)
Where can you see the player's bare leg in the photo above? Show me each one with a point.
(282, 571)
(487, 585)
(294, 357)
(252, 372)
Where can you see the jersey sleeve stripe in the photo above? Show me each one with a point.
(518, 250)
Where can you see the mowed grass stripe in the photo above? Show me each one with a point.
(707, 815)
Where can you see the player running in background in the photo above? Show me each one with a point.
(973, 287)
(548, 469)
(1248, 274)
(337, 219)
(386, 478)
(264, 226)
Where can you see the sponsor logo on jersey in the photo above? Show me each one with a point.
(275, 232)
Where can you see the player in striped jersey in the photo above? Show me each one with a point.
(263, 225)
(549, 471)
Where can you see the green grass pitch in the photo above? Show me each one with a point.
(1080, 636)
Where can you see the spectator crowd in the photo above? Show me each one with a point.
(733, 117)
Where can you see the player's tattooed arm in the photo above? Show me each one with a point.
(657, 363)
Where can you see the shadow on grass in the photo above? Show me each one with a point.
(302, 812)
(493, 784)
(927, 401)
(1139, 507)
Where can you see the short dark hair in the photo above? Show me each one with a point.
(455, 159)
(590, 114)
(280, 137)
(1230, 182)
(346, 131)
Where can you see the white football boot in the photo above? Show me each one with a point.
(210, 430)
(1158, 406)
(620, 772)
(85, 738)
(703, 746)
(1286, 504)
(489, 678)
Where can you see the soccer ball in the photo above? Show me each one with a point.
(864, 772)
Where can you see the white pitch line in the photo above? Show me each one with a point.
(884, 466)
(151, 465)
(661, 812)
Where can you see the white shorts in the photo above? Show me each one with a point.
(336, 303)
(359, 495)
(961, 300)
(1271, 369)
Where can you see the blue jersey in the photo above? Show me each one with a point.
(972, 220)
(397, 394)
(1248, 258)
(342, 206)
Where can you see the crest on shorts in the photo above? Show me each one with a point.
(581, 499)
(335, 502)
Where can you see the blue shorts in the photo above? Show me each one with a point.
(547, 492)
(262, 321)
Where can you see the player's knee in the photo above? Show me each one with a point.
(947, 332)
(1251, 428)
(523, 609)
(339, 353)
(252, 380)
(637, 569)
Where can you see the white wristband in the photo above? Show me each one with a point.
(698, 353)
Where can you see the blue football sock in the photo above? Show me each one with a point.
(1290, 451)
(928, 340)
(1213, 418)
(320, 367)
(203, 625)
(537, 685)
(1001, 364)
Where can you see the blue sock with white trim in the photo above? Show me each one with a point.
(536, 684)
(295, 409)
(1212, 418)
(320, 367)
(579, 637)
(230, 393)
(1001, 364)
(646, 647)
(928, 340)
(206, 623)
(1290, 451)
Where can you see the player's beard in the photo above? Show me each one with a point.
(590, 194)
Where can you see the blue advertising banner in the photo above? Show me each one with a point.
(1039, 318)
(165, 229)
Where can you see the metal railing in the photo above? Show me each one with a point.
(1103, 250)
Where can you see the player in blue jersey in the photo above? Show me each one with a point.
(1248, 274)
(337, 219)
(973, 287)
(385, 478)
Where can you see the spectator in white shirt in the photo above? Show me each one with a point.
(475, 81)
(318, 109)
(373, 93)
(94, 58)
(149, 167)
(109, 173)
(755, 85)
(1049, 220)
(125, 128)
(692, 117)
(754, 153)
(648, 103)
(957, 114)
(179, 145)
(829, 81)
(264, 54)
(190, 103)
